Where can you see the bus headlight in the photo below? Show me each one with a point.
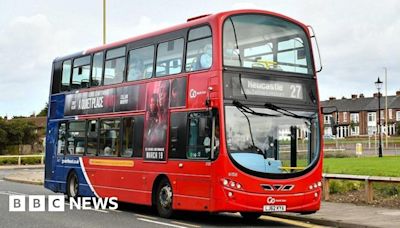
(231, 184)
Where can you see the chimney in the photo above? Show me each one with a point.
(361, 95)
(353, 96)
(332, 98)
(376, 95)
(343, 98)
(398, 93)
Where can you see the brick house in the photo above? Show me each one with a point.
(358, 115)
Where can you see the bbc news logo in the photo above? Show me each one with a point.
(57, 203)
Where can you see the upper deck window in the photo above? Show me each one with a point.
(140, 63)
(265, 42)
(199, 49)
(81, 73)
(66, 75)
(169, 57)
(97, 69)
(114, 66)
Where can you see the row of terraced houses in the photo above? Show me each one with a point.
(358, 115)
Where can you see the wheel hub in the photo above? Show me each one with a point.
(165, 196)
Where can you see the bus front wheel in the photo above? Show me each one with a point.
(72, 185)
(250, 216)
(164, 199)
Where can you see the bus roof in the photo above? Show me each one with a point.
(193, 21)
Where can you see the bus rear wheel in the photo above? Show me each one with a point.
(250, 216)
(72, 185)
(164, 199)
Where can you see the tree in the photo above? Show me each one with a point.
(44, 111)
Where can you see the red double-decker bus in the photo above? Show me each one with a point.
(219, 114)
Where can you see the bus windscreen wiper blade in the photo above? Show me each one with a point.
(247, 109)
(285, 112)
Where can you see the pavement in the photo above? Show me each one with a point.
(330, 214)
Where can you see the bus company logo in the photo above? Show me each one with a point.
(272, 200)
(69, 161)
(193, 93)
(57, 203)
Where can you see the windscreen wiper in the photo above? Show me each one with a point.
(285, 112)
(243, 108)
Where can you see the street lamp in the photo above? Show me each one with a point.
(378, 85)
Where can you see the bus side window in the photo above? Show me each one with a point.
(81, 73)
(97, 69)
(92, 137)
(199, 140)
(76, 137)
(199, 49)
(109, 137)
(62, 131)
(178, 135)
(66, 75)
(140, 63)
(169, 57)
(114, 66)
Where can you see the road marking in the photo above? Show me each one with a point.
(92, 209)
(185, 224)
(288, 221)
(160, 223)
(9, 193)
(145, 216)
(118, 211)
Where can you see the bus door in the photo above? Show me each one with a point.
(61, 147)
(191, 140)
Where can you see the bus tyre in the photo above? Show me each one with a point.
(250, 216)
(164, 199)
(72, 185)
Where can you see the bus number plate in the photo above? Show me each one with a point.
(273, 208)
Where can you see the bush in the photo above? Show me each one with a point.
(338, 186)
(31, 160)
(387, 189)
(8, 161)
(24, 161)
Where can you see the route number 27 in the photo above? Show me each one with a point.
(295, 91)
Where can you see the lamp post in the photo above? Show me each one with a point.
(378, 85)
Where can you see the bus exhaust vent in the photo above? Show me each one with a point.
(267, 187)
(197, 17)
(277, 187)
(287, 187)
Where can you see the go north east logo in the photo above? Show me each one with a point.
(58, 203)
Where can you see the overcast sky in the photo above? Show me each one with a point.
(356, 38)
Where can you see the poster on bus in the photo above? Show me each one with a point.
(155, 132)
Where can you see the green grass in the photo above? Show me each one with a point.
(372, 166)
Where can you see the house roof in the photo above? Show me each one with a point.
(359, 104)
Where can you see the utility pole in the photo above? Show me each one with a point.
(104, 21)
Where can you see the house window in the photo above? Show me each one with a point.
(354, 117)
(398, 116)
(390, 114)
(372, 117)
(344, 116)
(327, 119)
